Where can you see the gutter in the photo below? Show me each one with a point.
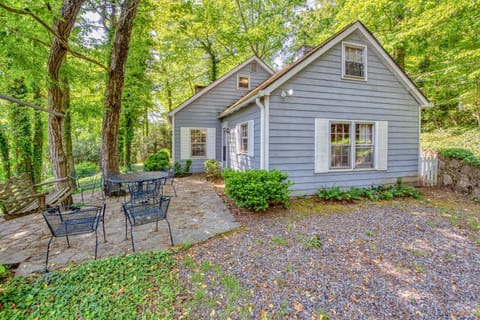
(264, 128)
(262, 131)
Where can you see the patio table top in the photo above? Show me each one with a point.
(137, 176)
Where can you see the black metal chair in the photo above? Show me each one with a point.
(68, 221)
(170, 180)
(144, 190)
(146, 211)
(88, 183)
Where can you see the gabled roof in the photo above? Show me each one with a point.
(291, 70)
(220, 80)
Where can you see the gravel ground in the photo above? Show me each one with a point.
(394, 260)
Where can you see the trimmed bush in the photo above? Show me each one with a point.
(182, 172)
(461, 154)
(158, 161)
(257, 189)
(373, 193)
(213, 169)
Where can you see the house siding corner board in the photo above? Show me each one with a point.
(203, 112)
(320, 93)
(244, 161)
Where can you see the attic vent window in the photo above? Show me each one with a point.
(354, 64)
(243, 82)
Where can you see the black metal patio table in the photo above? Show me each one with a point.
(132, 177)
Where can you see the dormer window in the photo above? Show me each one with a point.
(354, 61)
(243, 82)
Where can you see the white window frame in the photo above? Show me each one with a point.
(204, 143)
(186, 143)
(243, 139)
(323, 146)
(238, 81)
(365, 62)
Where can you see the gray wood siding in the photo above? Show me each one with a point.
(203, 112)
(320, 92)
(243, 161)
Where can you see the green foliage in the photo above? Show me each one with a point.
(157, 162)
(257, 189)
(182, 171)
(461, 154)
(4, 272)
(373, 193)
(85, 169)
(313, 242)
(213, 169)
(139, 286)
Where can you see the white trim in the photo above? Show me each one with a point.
(173, 139)
(365, 62)
(262, 132)
(267, 132)
(240, 136)
(239, 75)
(220, 80)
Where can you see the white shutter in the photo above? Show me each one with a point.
(238, 140)
(251, 137)
(211, 143)
(322, 141)
(381, 145)
(185, 143)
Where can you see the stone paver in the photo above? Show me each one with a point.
(195, 214)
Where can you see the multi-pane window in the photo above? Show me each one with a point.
(198, 142)
(243, 82)
(354, 62)
(244, 137)
(364, 145)
(340, 145)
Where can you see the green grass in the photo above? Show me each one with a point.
(468, 138)
(138, 286)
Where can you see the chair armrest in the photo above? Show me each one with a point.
(51, 181)
(39, 195)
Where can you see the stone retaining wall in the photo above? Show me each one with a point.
(458, 176)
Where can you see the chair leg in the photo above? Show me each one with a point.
(131, 236)
(96, 243)
(175, 191)
(48, 252)
(170, 232)
(126, 238)
(68, 241)
(103, 227)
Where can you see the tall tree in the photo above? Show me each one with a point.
(115, 84)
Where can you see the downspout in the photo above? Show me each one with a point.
(262, 132)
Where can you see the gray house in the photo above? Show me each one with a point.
(343, 114)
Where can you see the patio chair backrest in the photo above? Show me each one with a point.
(143, 190)
(65, 221)
(153, 210)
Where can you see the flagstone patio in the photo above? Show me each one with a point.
(195, 214)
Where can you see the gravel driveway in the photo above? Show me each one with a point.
(390, 260)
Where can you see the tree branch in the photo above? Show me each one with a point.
(62, 41)
(31, 105)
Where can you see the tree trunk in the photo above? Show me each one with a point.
(5, 152)
(63, 26)
(68, 124)
(38, 136)
(113, 94)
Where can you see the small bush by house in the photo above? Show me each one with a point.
(158, 161)
(257, 189)
(182, 171)
(373, 193)
(213, 169)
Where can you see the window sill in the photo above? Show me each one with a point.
(353, 78)
(349, 170)
(198, 157)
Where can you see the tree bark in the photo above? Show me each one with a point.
(62, 26)
(113, 94)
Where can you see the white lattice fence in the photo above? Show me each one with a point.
(428, 168)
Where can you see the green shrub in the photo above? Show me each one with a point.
(158, 161)
(373, 193)
(257, 189)
(213, 169)
(180, 171)
(461, 154)
(85, 169)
